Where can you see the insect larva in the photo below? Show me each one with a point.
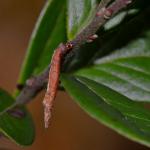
(53, 81)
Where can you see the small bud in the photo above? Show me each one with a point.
(31, 81)
(95, 36)
(128, 2)
(91, 38)
(69, 46)
(89, 41)
(108, 14)
(100, 13)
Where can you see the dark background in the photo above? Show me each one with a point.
(71, 128)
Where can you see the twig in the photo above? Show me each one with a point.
(103, 13)
(33, 86)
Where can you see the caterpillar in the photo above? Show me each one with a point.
(53, 80)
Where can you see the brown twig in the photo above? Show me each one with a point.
(103, 13)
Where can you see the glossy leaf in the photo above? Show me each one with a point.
(126, 71)
(58, 36)
(48, 33)
(109, 107)
(20, 130)
(124, 76)
(79, 13)
(109, 89)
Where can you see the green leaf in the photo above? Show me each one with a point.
(109, 90)
(48, 33)
(79, 14)
(109, 107)
(126, 71)
(58, 36)
(20, 130)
